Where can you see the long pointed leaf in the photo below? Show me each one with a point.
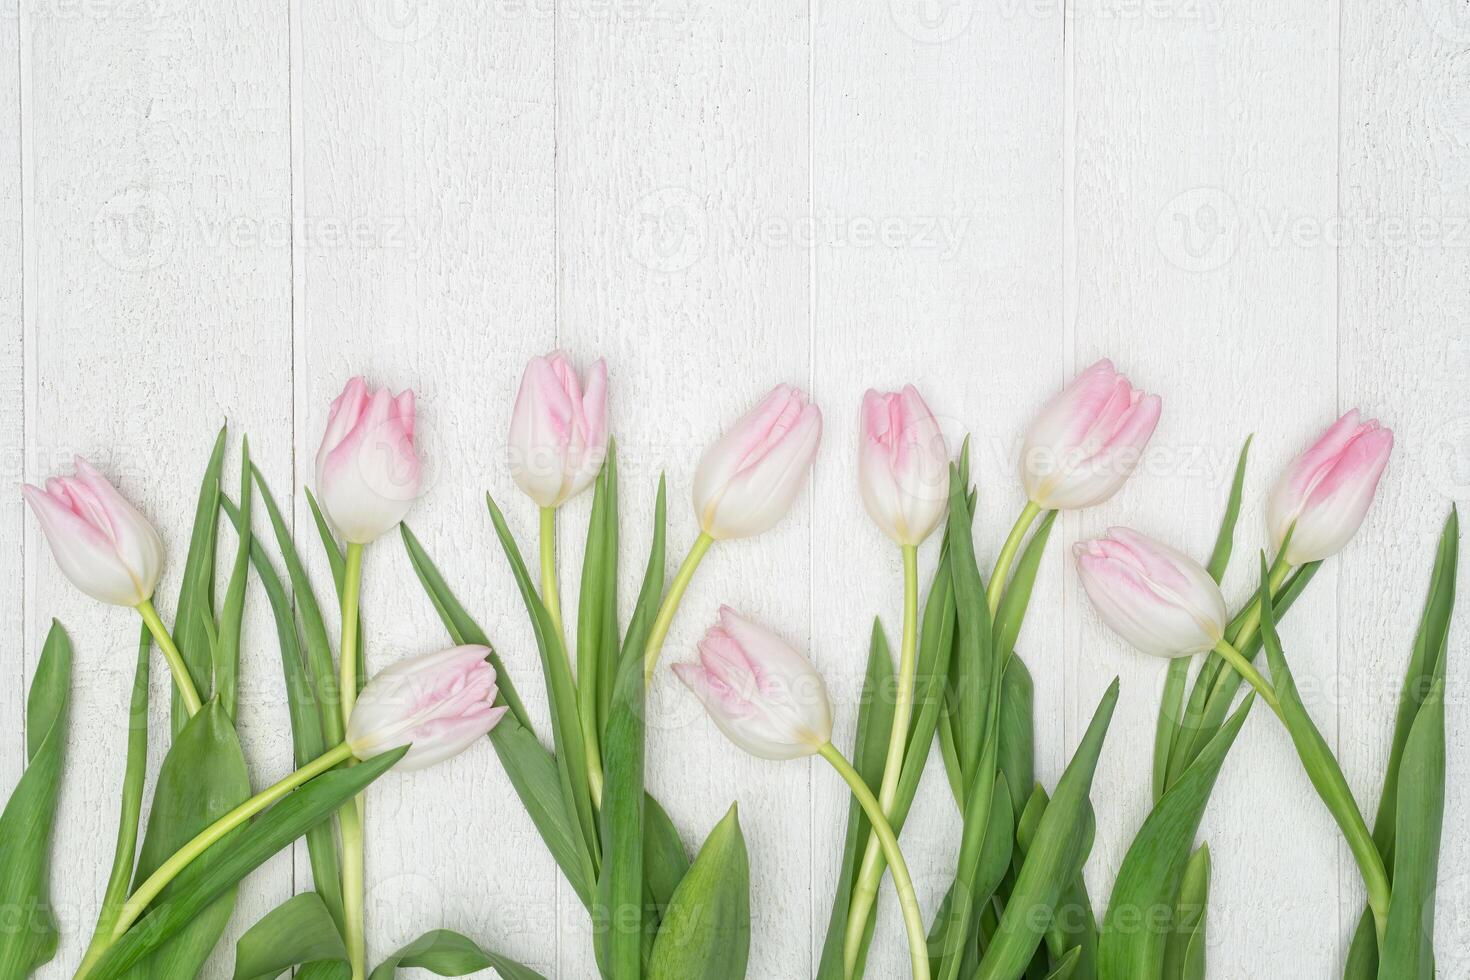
(32, 933)
(1053, 858)
(221, 867)
(196, 592)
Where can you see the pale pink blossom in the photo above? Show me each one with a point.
(1326, 491)
(100, 541)
(438, 704)
(1160, 600)
(903, 464)
(748, 479)
(368, 473)
(766, 698)
(558, 429)
(1087, 440)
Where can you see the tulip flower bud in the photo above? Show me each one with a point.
(1087, 440)
(438, 703)
(1326, 490)
(766, 698)
(558, 431)
(747, 480)
(903, 465)
(1160, 600)
(100, 541)
(367, 472)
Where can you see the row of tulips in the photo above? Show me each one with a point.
(1017, 905)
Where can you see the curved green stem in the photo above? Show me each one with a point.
(671, 603)
(1008, 551)
(351, 814)
(182, 679)
(912, 919)
(1246, 669)
(870, 873)
(139, 901)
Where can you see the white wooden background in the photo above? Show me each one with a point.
(223, 209)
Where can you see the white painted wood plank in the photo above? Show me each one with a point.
(1197, 129)
(1405, 356)
(680, 130)
(158, 208)
(13, 658)
(429, 130)
(936, 214)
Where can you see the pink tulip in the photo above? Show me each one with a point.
(765, 697)
(747, 480)
(1326, 491)
(903, 465)
(558, 431)
(100, 541)
(438, 703)
(367, 471)
(1160, 600)
(1087, 440)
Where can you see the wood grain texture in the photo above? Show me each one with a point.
(426, 132)
(157, 306)
(938, 262)
(1198, 128)
(12, 420)
(227, 211)
(680, 129)
(1405, 354)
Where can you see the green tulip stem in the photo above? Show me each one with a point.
(865, 889)
(550, 590)
(150, 889)
(912, 919)
(671, 602)
(182, 680)
(1008, 551)
(1247, 670)
(351, 814)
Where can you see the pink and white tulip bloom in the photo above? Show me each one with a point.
(367, 471)
(1326, 490)
(1160, 600)
(1087, 440)
(747, 480)
(766, 698)
(903, 465)
(558, 429)
(101, 542)
(438, 703)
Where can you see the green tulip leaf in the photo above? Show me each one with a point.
(448, 954)
(1184, 952)
(618, 909)
(307, 738)
(869, 753)
(217, 871)
(203, 777)
(1408, 942)
(706, 932)
(299, 930)
(1067, 965)
(1155, 866)
(1063, 836)
(32, 933)
(195, 611)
